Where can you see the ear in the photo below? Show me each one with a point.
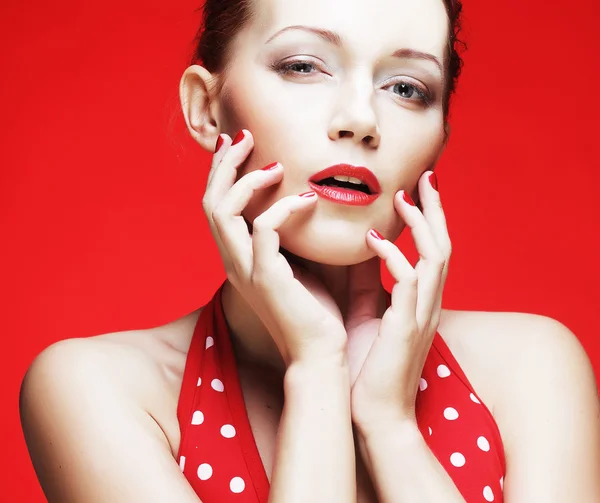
(447, 130)
(443, 146)
(197, 93)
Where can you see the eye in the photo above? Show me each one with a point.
(412, 92)
(295, 67)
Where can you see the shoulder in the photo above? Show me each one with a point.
(105, 406)
(129, 370)
(539, 383)
(513, 346)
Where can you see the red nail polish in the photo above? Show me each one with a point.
(219, 143)
(310, 193)
(238, 137)
(376, 235)
(433, 181)
(407, 198)
(271, 166)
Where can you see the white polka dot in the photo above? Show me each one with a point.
(228, 431)
(205, 471)
(430, 431)
(217, 385)
(457, 459)
(209, 342)
(502, 483)
(182, 462)
(237, 485)
(199, 381)
(450, 413)
(443, 371)
(474, 398)
(422, 384)
(488, 494)
(198, 417)
(483, 444)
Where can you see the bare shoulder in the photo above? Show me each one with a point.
(103, 404)
(537, 379)
(506, 348)
(143, 366)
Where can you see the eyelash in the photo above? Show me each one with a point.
(286, 68)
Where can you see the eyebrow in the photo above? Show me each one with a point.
(335, 39)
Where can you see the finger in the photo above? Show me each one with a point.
(265, 236)
(364, 292)
(402, 312)
(223, 143)
(434, 214)
(227, 216)
(431, 263)
(224, 171)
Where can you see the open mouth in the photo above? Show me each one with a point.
(346, 182)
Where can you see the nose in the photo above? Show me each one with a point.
(354, 116)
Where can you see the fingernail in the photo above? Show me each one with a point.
(310, 193)
(271, 166)
(219, 143)
(238, 137)
(376, 235)
(407, 198)
(433, 181)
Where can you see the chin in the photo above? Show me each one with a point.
(326, 244)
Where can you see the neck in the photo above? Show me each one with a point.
(251, 340)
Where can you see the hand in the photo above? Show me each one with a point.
(303, 324)
(386, 356)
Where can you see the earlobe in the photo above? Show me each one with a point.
(199, 106)
(447, 129)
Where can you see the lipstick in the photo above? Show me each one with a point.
(346, 184)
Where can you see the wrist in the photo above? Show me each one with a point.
(329, 353)
(318, 373)
(386, 425)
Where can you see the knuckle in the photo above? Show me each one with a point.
(260, 224)
(207, 205)
(259, 279)
(438, 261)
(411, 278)
(217, 216)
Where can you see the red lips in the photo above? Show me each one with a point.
(350, 194)
(363, 174)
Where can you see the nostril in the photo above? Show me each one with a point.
(344, 134)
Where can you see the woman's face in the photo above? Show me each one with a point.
(324, 82)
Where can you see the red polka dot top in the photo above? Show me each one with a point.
(220, 459)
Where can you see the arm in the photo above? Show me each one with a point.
(314, 460)
(547, 410)
(89, 439)
(402, 467)
(549, 415)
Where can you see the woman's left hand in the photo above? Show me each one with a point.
(386, 356)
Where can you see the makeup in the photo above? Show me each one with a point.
(346, 184)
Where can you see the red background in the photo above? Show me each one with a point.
(100, 188)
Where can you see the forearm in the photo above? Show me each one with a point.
(314, 459)
(403, 468)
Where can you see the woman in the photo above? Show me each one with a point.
(387, 398)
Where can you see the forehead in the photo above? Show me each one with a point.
(367, 26)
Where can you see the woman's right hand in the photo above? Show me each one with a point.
(304, 324)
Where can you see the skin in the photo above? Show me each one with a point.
(346, 111)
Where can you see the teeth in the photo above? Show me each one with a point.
(341, 178)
